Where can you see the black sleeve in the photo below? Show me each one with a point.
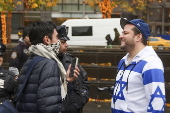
(9, 84)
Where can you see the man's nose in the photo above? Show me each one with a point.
(120, 36)
(66, 45)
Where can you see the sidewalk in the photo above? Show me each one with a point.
(104, 107)
(167, 109)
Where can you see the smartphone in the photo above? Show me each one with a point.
(74, 64)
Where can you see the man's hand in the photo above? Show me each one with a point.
(75, 75)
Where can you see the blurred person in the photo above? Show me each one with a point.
(116, 40)
(7, 83)
(109, 40)
(20, 33)
(79, 89)
(47, 86)
(139, 86)
(20, 53)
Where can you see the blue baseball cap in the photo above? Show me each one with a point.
(140, 24)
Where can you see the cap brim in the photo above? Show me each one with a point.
(123, 22)
(65, 39)
(68, 38)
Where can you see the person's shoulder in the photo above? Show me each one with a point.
(48, 64)
(18, 46)
(151, 61)
(43, 63)
(22, 44)
(69, 55)
(152, 58)
(16, 51)
(47, 61)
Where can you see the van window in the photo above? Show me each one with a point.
(82, 31)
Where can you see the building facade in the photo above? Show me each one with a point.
(157, 15)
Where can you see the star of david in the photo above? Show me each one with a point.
(120, 95)
(157, 94)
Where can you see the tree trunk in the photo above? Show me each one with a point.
(3, 21)
(9, 19)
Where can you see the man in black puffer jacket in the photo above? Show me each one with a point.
(7, 83)
(46, 86)
(78, 90)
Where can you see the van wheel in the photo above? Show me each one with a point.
(160, 47)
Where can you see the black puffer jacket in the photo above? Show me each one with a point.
(42, 93)
(7, 84)
(79, 89)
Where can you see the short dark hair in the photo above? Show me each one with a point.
(51, 23)
(40, 29)
(137, 31)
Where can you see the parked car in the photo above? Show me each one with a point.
(159, 43)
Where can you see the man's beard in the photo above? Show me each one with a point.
(128, 46)
(28, 43)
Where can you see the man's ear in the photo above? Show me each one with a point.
(46, 40)
(139, 37)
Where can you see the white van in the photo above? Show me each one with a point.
(91, 31)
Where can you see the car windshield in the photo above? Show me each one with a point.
(153, 39)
